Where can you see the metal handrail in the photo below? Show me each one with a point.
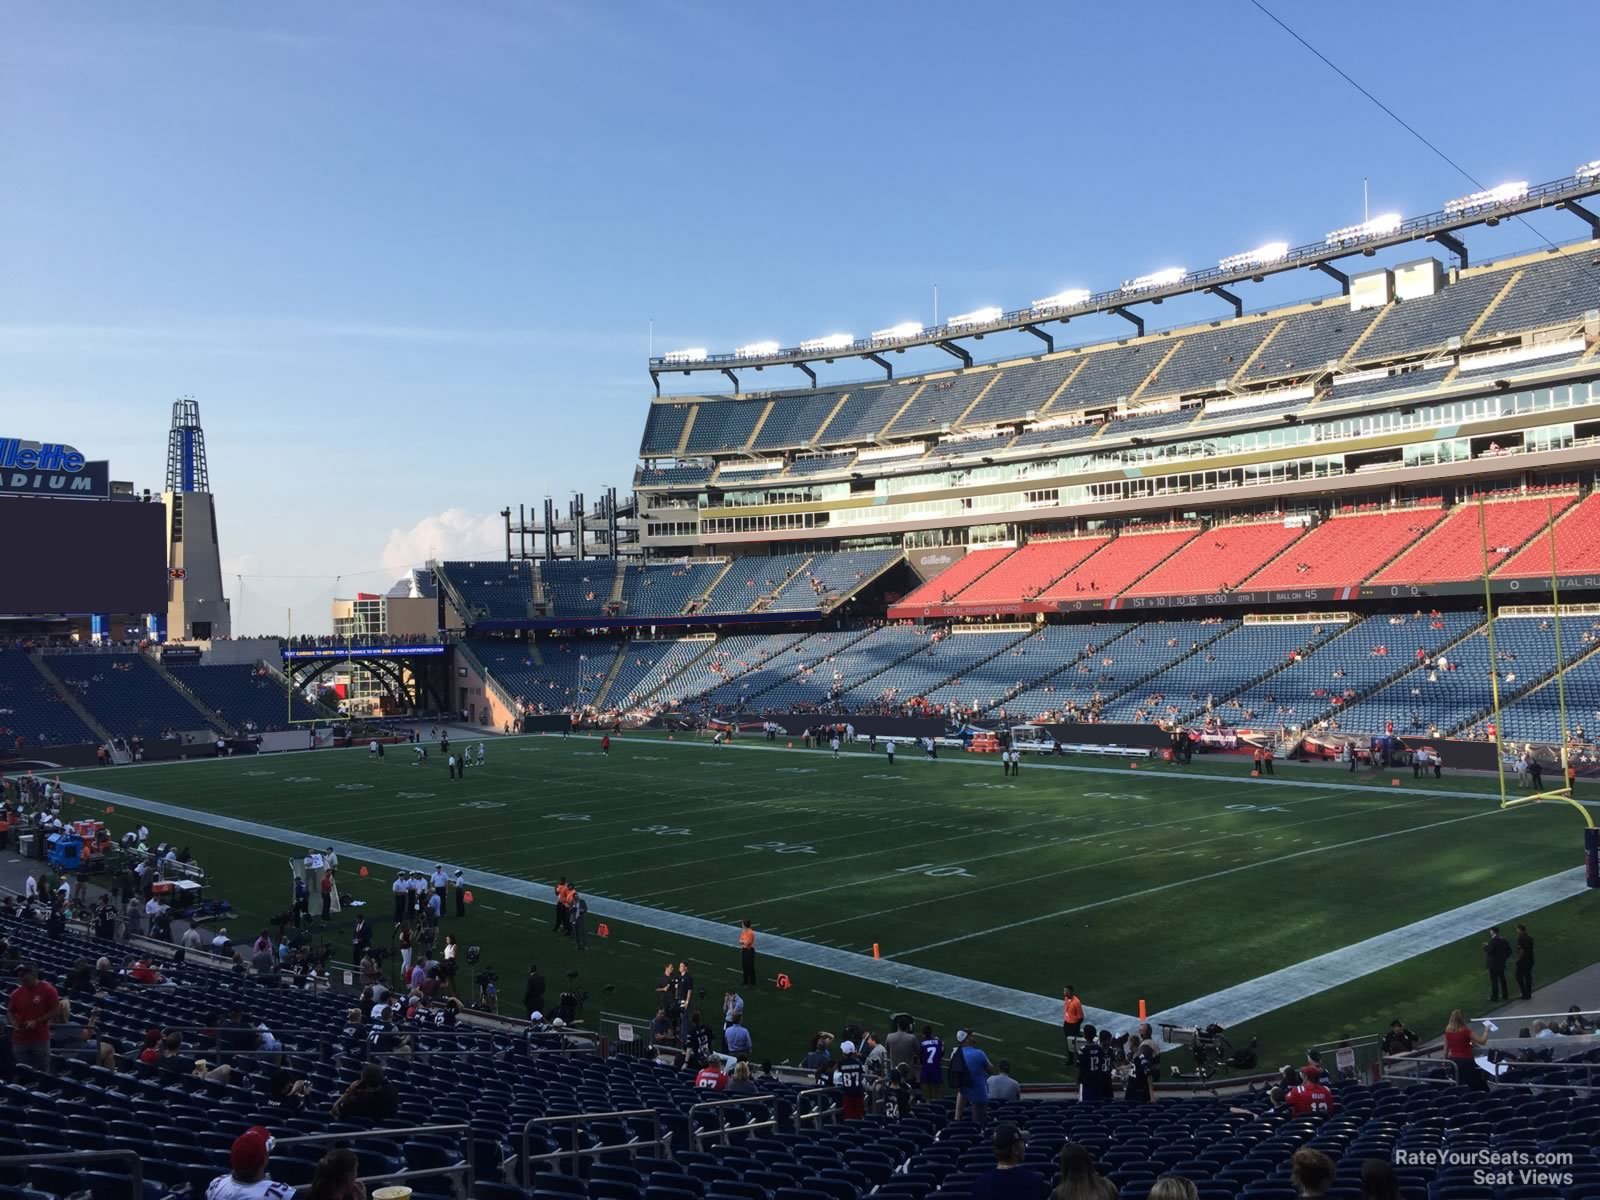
(1592, 1015)
(528, 1158)
(459, 1127)
(462, 1130)
(820, 1112)
(723, 1129)
(135, 1171)
(1410, 1068)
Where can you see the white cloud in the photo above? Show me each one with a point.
(454, 533)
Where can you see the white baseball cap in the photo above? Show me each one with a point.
(847, 1047)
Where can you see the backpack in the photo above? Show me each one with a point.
(957, 1070)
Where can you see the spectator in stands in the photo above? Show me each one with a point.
(80, 1042)
(150, 1053)
(930, 1053)
(903, 1046)
(32, 1006)
(1008, 1179)
(737, 1038)
(740, 1082)
(335, 1177)
(369, 1097)
(1140, 1087)
(1460, 1050)
(1094, 1067)
(969, 1073)
(1378, 1180)
(697, 1036)
(247, 1178)
(850, 1079)
(1311, 1172)
(1310, 1097)
(1002, 1088)
(1079, 1179)
(819, 1059)
(1173, 1187)
(875, 1062)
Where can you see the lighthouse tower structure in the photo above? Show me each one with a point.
(196, 607)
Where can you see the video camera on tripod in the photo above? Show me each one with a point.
(1210, 1048)
(484, 981)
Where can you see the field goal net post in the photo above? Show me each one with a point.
(1563, 793)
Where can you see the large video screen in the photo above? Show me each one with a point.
(81, 556)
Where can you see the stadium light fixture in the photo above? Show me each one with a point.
(1270, 253)
(694, 354)
(1165, 277)
(897, 333)
(1506, 193)
(756, 350)
(1588, 170)
(978, 316)
(1376, 227)
(830, 341)
(1067, 299)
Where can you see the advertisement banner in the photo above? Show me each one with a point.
(931, 560)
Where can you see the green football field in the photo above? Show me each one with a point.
(1162, 884)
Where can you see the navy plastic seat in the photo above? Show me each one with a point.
(106, 1185)
(565, 1185)
(56, 1180)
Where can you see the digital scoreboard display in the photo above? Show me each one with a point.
(60, 556)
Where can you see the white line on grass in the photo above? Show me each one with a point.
(1178, 883)
(970, 992)
(1249, 1000)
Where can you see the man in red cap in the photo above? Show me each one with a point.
(248, 1178)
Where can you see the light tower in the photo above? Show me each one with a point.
(196, 607)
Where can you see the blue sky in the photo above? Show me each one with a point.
(406, 255)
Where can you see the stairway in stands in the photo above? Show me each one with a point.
(68, 697)
(212, 718)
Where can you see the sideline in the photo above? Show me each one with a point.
(1243, 1002)
(1256, 997)
(913, 756)
(990, 997)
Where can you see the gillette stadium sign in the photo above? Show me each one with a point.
(51, 469)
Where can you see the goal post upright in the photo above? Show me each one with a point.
(1563, 793)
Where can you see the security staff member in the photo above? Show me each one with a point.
(747, 953)
(1524, 962)
(1496, 952)
(1071, 1020)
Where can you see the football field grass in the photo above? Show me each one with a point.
(1160, 884)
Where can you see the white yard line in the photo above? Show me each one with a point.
(1230, 1006)
(1178, 883)
(1254, 997)
(971, 992)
